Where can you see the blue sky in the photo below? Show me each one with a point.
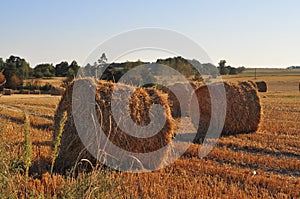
(250, 33)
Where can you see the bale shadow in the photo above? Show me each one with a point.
(256, 151)
(47, 126)
(40, 166)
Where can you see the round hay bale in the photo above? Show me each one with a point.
(183, 92)
(262, 86)
(243, 110)
(7, 91)
(35, 92)
(25, 92)
(72, 150)
(58, 91)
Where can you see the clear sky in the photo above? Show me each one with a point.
(243, 32)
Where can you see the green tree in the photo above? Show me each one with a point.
(103, 59)
(232, 70)
(61, 69)
(222, 67)
(16, 70)
(20, 66)
(44, 70)
(241, 69)
(73, 70)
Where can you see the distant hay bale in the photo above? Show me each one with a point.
(262, 86)
(72, 148)
(59, 91)
(7, 91)
(243, 110)
(24, 91)
(35, 92)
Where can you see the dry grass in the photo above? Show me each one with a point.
(265, 164)
(55, 81)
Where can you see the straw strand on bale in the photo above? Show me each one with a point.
(243, 110)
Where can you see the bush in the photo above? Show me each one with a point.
(46, 87)
(14, 82)
(2, 79)
(30, 86)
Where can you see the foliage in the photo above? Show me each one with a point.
(16, 70)
(14, 82)
(229, 70)
(72, 70)
(2, 79)
(63, 69)
(114, 71)
(46, 87)
(180, 64)
(44, 70)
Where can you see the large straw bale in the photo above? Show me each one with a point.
(243, 112)
(72, 148)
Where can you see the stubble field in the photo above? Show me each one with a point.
(262, 164)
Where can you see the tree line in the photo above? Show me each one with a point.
(14, 70)
(188, 68)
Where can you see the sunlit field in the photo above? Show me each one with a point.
(261, 164)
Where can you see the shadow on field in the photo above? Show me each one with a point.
(289, 172)
(257, 151)
(40, 166)
(48, 126)
(194, 149)
(43, 143)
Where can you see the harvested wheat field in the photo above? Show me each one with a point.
(261, 164)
